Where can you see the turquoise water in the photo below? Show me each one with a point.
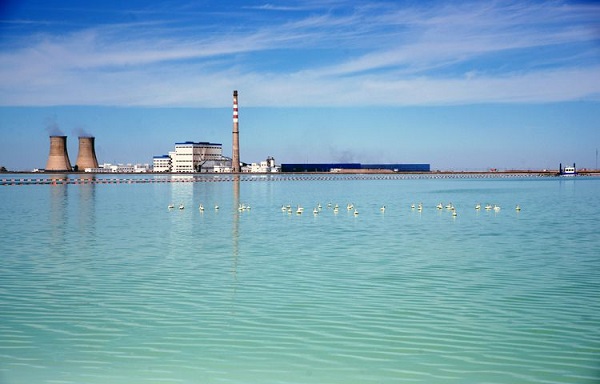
(101, 283)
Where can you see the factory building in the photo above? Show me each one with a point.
(120, 168)
(191, 157)
(161, 163)
(267, 166)
(339, 167)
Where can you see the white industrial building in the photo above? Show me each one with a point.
(267, 166)
(191, 157)
(161, 163)
(120, 168)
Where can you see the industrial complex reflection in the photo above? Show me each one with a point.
(64, 192)
(182, 193)
(87, 207)
(235, 235)
(59, 201)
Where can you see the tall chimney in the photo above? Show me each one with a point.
(58, 159)
(87, 154)
(235, 158)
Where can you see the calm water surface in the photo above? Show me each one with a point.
(101, 283)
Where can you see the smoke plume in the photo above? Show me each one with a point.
(52, 127)
(81, 132)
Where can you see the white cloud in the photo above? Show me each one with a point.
(453, 54)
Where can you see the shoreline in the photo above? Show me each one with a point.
(590, 172)
(87, 178)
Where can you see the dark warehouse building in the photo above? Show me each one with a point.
(328, 167)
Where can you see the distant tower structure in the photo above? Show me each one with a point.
(87, 153)
(58, 159)
(235, 158)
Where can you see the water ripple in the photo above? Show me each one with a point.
(144, 295)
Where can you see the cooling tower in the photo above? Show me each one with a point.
(87, 154)
(58, 159)
(235, 158)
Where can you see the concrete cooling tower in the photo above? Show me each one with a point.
(58, 159)
(87, 154)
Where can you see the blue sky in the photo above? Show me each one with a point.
(460, 85)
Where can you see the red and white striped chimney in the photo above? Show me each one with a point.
(235, 158)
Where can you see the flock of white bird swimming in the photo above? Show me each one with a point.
(241, 207)
(418, 207)
(350, 207)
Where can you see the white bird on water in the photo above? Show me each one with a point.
(382, 209)
(181, 206)
(201, 207)
(171, 206)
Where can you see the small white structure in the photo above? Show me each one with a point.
(161, 163)
(224, 168)
(567, 170)
(120, 168)
(267, 166)
(142, 168)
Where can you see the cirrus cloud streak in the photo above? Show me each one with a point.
(381, 54)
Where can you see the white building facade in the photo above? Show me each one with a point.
(189, 157)
(120, 168)
(161, 163)
(267, 166)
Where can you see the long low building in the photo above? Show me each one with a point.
(333, 167)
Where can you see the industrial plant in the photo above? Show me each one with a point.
(201, 157)
(58, 159)
(189, 156)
